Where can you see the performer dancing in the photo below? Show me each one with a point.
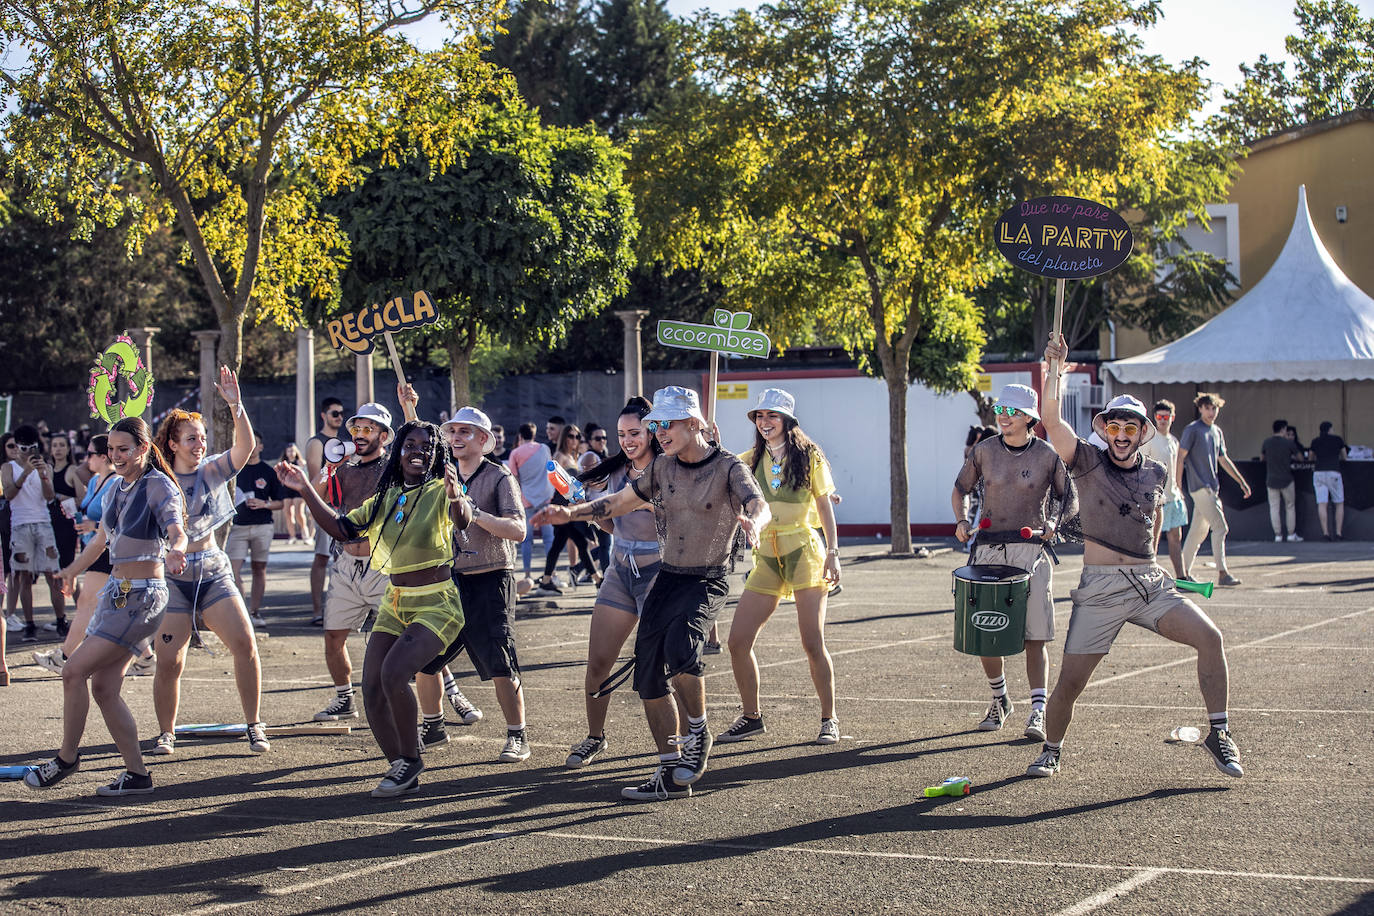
(142, 524)
(1121, 494)
(206, 585)
(702, 498)
(634, 564)
(790, 559)
(409, 523)
(1019, 473)
(484, 571)
(355, 589)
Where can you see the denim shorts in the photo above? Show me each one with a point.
(206, 581)
(133, 625)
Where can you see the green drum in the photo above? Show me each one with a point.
(990, 609)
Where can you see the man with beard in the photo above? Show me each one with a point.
(355, 588)
(331, 422)
(1120, 495)
(702, 496)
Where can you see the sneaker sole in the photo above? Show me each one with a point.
(408, 789)
(511, 758)
(633, 794)
(1039, 771)
(989, 727)
(1037, 734)
(157, 750)
(426, 745)
(727, 738)
(471, 718)
(826, 739)
(260, 749)
(1222, 767)
(107, 792)
(328, 717)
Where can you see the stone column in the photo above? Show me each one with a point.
(305, 386)
(363, 389)
(208, 376)
(143, 341)
(634, 361)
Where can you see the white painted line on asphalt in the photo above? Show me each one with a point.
(1192, 659)
(952, 860)
(883, 645)
(947, 701)
(1087, 905)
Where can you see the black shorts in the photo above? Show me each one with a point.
(488, 632)
(672, 630)
(101, 564)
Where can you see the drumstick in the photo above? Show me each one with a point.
(985, 523)
(1029, 533)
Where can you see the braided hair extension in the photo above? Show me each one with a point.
(797, 447)
(639, 408)
(391, 474)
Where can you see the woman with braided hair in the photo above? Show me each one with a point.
(409, 523)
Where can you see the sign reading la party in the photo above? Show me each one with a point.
(1066, 238)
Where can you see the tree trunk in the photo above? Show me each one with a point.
(228, 352)
(460, 347)
(897, 468)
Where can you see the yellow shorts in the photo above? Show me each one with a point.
(435, 607)
(788, 562)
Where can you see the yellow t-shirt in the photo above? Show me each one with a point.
(792, 509)
(422, 538)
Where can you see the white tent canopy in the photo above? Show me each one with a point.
(1305, 321)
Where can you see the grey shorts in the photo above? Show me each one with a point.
(355, 592)
(324, 544)
(36, 542)
(1109, 597)
(628, 580)
(253, 541)
(133, 625)
(1033, 559)
(1329, 485)
(207, 581)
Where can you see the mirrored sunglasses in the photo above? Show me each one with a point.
(1007, 411)
(654, 426)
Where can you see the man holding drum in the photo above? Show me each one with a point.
(1120, 495)
(1019, 472)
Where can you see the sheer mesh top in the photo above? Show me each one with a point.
(634, 526)
(412, 530)
(1117, 505)
(208, 503)
(356, 482)
(1017, 486)
(135, 521)
(492, 489)
(695, 509)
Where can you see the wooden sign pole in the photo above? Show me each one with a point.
(711, 386)
(1057, 333)
(396, 360)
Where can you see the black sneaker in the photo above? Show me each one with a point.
(30, 633)
(743, 729)
(696, 750)
(1047, 764)
(998, 711)
(1224, 752)
(127, 783)
(49, 774)
(658, 787)
(463, 708)
(63, 627)
(340, 707)
(402, 779)
(585, 751)
(432, 734)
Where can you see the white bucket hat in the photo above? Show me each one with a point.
(1021, 397)
(776, 400)
(1128, 404)
(471, 416)
(675, 403)
(374, 412)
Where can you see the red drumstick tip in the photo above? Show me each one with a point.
(985, 523)
(1026, 533)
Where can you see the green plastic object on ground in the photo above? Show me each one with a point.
(1202, 588)
(955, 785)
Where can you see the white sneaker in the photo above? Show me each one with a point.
(1278, 539)
(50, 661)
(1035, 725)
(13, 624)
(258, 622)
(516, 749)
(165, 745)
(1294, 538)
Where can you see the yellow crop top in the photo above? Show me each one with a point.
(422, 538)
(792, 509)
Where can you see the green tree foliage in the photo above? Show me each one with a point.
(529, 230)
(239, 114)
(1333, 53)
(843, 172)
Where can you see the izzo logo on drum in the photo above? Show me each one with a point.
(990, 621)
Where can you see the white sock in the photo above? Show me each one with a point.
(1037, 698)
(999, 686)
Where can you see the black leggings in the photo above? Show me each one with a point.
(577, 533)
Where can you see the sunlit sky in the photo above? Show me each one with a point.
(1225, 33)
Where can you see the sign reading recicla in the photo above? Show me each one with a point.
(727, 334)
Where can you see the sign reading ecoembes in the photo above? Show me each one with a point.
(728, 333)
(354, 331)
(1066, 238)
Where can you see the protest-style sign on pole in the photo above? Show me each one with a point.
(1064, 238)
(6, 405)
(120, 361)
(354, 332)
(728, 333)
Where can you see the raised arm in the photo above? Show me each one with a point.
(409, 400)
(1059, 433)
(242, 447)
(621, 502)
(292, 478)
